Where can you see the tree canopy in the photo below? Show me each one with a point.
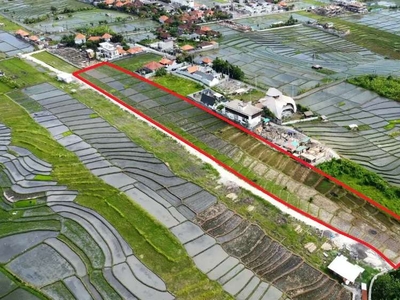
(226, 67)
(387, 287)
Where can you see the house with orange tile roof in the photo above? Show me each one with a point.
(34, 38)
(162, 19)
(135, 50)
(166, 62)
(192, 69)
(80, 39)
(207, 60)
(153, 66)
(187, 48)
(94, 38)
(109, 2)
(121, 51)
(119, 4)
(106, 37)
(21, 33)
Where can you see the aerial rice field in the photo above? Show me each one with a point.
(251, 158)
(346, 104)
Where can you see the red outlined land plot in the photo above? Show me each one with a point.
(392, 258)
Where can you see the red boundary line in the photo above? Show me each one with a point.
(149, 119)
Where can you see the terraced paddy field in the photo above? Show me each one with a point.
(21, 9)
(54, 239)
(175, 202)
(57, 246)
(273, 171)
(386, 20)
(139, 175)
(375, 147)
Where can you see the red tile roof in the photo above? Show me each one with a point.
(134, 50)
(94, 38)
(192, 69)
(153, 65)
(166, 61)
(21, 32)
(80, 36)
(187, 48)
(106, 36)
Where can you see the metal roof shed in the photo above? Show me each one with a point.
(345, 269)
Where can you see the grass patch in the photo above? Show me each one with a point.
(25, 203)
(178, 84)
(41, 177)
(359, 178)
(363, 127)
(21, 73)
(395, 134)
(253, 95)
(388, 87)
(137, 61)
(67, 133)
(343, 103)
(55, 62)
(9, 25)
(378, 41)
(392, 124)
(93, 116)
(326, 71)
(151, 242)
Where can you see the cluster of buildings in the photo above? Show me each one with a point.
(38, 41)
(106, 50)
(339, 7)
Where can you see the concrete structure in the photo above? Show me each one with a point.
(166, 45)
(107, 51)
(280, 105)
(244, 113)
(189, 3)
(345, 269)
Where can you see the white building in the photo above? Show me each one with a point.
(280, 105)
(244, 113)
(80, 39)
(167, 45)
(189, 3)
(107, 51)
(345, 269)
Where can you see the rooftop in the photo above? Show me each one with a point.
(153, 65)
(243, 108)
(345, 269)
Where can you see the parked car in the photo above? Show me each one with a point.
(317, 67)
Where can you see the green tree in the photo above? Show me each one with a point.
(161, 72)
(386, 287)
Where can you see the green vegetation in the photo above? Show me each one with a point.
(67, 133)
(326, 71)
(359, 178)
(151, 242)
(43, 177)
(290, 22)
(388, 87)
(178, 84)
(395, 134)
(25, 203)
(225, 67)
(9, 25)
(364, 127)
(55, 62)
(93, 116)
(378, 41)
(341, 103)
(136, 62)
(387, 286)
(253, 95)
(392, 124)
(19, 74)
